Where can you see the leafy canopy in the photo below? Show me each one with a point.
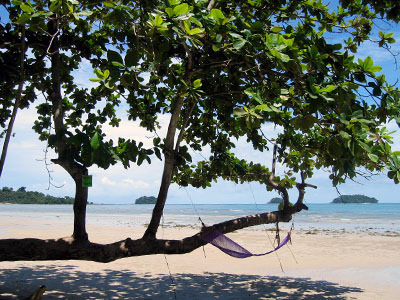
(241, 65)
(236, 66)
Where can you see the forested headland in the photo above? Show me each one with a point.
(354, 199)
(21, 196)
(146, 200)
(276, 200)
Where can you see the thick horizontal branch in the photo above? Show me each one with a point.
(67, 249)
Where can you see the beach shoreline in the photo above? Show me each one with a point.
(318, 265)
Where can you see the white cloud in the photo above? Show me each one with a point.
(132, 130)
(107, 181)
(139, 184)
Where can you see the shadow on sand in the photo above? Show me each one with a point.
(69, 283)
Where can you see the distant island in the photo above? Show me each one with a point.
(354, 199)
(275, 200)
(146, 200)
(21, 196)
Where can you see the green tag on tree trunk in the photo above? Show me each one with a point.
(86, 180)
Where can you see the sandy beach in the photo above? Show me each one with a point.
(320, 265)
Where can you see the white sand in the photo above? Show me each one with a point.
(330, 266)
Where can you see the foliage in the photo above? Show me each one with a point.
(146, 200)
(84, 111)
(243, 65)
(261, 61)
(222, 71)
(21, 196)
(354, 199)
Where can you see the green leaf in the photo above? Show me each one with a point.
(23, 18)
(345, 135)
(181, 9)
(373, 157)
(55, 5)
(95, 141)
(304, 122)
(195, 21)
(131, 58)
(285, 58)
(218, 16)
(114, 56)
(84, 13)
(26, 8)
(158, 20)
(117, 64)
(99, 73)
(95, 79)
(109, 4)
(364, 146)
(239, 43)
(328, 89)
(276, 29)
(239, 112)
(368, 65)
(215, 48)
(256, 96)
(106, 74)
(335, 148)
(196, 31)
(197, 83)
(174, 2)
(157, 153)
(169, 11)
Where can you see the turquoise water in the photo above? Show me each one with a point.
(374, 218)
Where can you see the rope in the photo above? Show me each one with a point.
(166, 261)
(198, 215)
(291, 252)
(266, 229)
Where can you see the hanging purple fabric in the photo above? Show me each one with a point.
(231, 248)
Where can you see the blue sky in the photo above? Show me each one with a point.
(25, 164)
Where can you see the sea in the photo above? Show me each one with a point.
(375, 219)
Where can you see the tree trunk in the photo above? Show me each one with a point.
(76, 171)
(170, 154)
(80, 203)
(169, 166)
(17, 101)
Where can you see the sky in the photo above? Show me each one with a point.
(25, 165)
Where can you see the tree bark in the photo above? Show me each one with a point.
(17, 101)
(80, 203)
(66, 249)
(170, 152)
(75, 170)
(152, 228)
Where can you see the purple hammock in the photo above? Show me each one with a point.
(225, 244)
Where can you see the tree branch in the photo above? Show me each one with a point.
(282, 190)
(184, 125)
(211, 5)
(67, 249)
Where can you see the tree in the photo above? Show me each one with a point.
(22, 189)
(60, 35)
(221, 70)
